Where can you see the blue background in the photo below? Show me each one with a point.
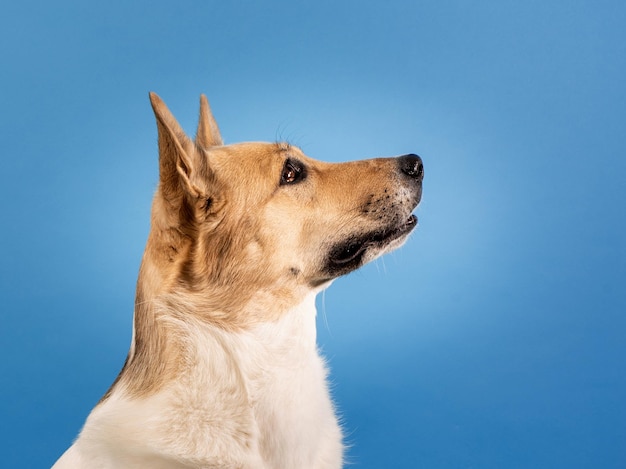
(495, 338)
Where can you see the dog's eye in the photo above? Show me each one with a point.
(293, 171)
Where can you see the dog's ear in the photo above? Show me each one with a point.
(179, 162)
(208, 134)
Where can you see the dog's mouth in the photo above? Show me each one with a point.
(349, 254)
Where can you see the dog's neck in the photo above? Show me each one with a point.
(167, 325)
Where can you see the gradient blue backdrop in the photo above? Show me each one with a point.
(495, 338)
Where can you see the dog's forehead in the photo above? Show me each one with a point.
(265, 157)
(276, 150)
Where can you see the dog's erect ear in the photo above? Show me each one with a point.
(208, 134)
(178, 160)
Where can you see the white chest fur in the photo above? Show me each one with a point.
(255, 399)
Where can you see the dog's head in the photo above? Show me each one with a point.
(247, 230)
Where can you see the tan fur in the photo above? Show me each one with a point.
(231, 251)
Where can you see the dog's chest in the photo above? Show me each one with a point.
(291, 405)
(270, 382)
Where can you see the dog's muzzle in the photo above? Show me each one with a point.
(349, 254)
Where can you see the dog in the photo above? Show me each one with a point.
(223, 369)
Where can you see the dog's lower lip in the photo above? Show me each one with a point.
(408, 225)
(401, 230)
(356, 248)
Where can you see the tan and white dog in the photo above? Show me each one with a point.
(223, 369)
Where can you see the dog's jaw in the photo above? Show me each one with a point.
(360, 249)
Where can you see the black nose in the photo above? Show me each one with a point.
(412, 166)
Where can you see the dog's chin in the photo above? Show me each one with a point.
(352, 253)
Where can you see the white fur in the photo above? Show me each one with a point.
(269, 381)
